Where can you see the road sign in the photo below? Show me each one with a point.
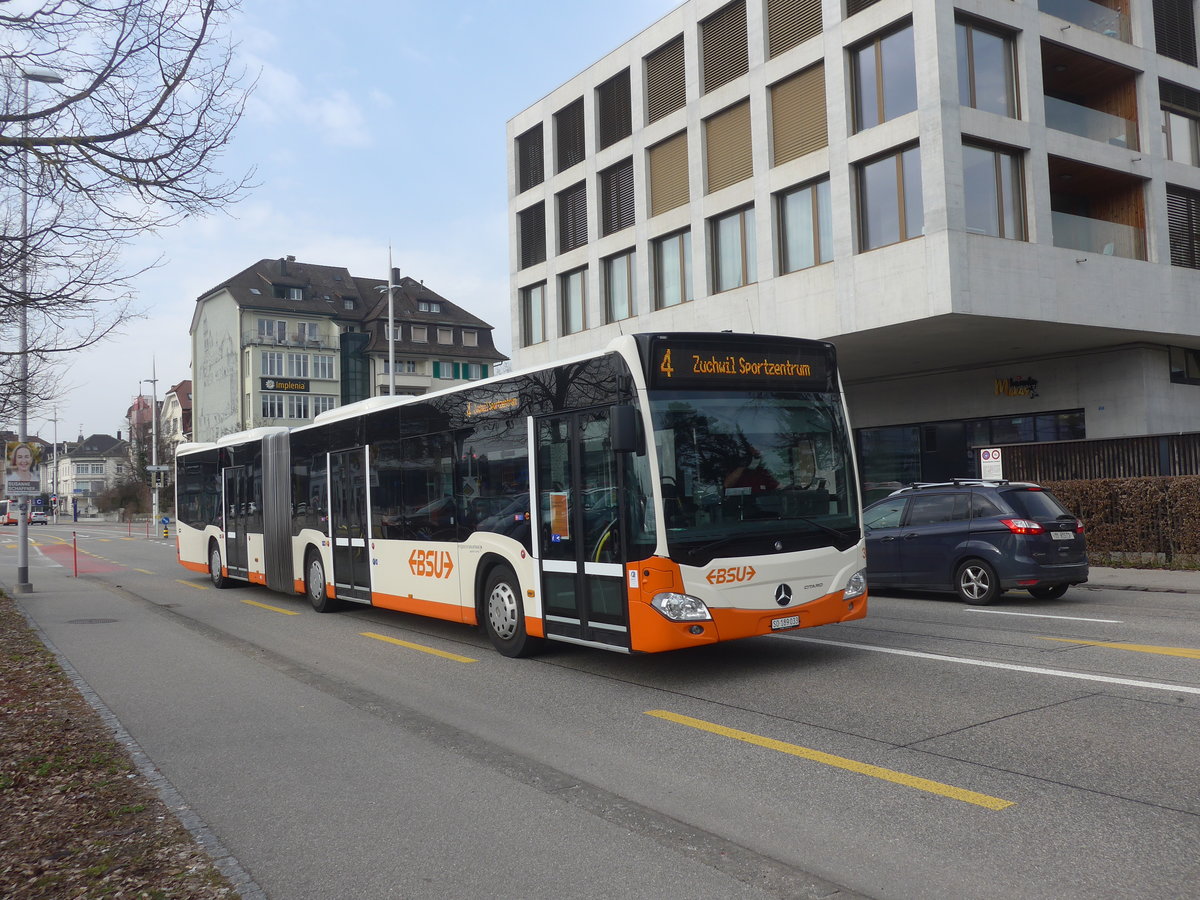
(166, 520)
(990, 466)
(158, 468)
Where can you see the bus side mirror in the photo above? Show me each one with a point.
(623, 429)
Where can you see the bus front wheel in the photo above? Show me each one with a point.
(314, 585)
(214, 568)
(504, 615)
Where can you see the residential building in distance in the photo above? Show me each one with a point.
(87, 469)
(175, 417)
(282, 341)
(989, 206)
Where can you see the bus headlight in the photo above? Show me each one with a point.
(856, 586)
(681, 607)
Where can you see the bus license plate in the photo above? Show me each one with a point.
(785, 622)
(1063, 535)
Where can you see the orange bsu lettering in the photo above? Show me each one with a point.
(730, 575)
(431, 563)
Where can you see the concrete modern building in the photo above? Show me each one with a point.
(283, 340)
(992, 207)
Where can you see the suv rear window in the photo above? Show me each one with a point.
(1035, 504)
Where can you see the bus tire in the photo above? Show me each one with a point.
(504, 614)
(219, 580)
(314, 584)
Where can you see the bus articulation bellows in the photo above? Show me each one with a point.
(670, 491)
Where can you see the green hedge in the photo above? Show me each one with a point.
(1137, 521)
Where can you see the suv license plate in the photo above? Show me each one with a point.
(1063, 535)
(785, 622)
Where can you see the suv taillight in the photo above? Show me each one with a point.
(1023, 526)
(1079, 526)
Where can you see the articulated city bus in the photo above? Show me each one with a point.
(9, 512)
(670, 491)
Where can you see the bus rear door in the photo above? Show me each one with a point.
(348, 524)
(579, 543)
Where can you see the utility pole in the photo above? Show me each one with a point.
(154, 437)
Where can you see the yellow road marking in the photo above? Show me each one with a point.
(143, 571)
(192, 584)
(1185, 652)
(286, 612)
(411, 646)
(841, 762)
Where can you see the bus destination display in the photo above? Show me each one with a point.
(683, 364)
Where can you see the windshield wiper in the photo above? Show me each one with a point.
(842, 541)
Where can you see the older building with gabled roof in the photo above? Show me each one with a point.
(282, 341)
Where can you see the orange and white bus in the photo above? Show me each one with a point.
(9, 512)
(670, 491)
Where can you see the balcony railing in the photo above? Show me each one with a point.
(291, 341)
(1098, 236)
(1062, 115)
(1091, 16)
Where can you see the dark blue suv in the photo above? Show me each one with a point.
(976, 538)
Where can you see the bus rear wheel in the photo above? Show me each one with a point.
(314, 584)
(504, 615)
(214, 567)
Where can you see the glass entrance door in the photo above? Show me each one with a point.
(348, 524)
(580, 544)
(237, 510)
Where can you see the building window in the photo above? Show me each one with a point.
(572, 217)
(348, 303)
(1183, 221)
(798, 121)
(571, 301)
(730, 158)
(272, 406)
(322, 403)
(322, 366)
(445, 335)
(306, 331)
(531, 166)
(992, 189)
(1175, 30)
(672, 269)
(533, 314)
(297, 365)
(474, 371)
(297, 406)
(791, 23)
(618, 287)
(885, 78)
(614, 109)
(723, 45)
(420, 334)
(272, 363)
(986, 77)
(889, 199)
(1185, 365)
(733, 250)
(1181, 122)
(616, 197)
(568, 133)
(283, 292)
(272, 328)
(445, 370)
(470, 338)
(668, 163)
(531, 223)
(805, 227)
(429, 306)
(666, 85)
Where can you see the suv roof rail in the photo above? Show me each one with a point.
(955, 482)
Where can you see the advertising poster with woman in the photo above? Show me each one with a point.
(22, 470)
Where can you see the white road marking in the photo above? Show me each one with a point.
(1035, 670)
(1001, 612)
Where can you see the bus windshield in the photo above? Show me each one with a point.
(747, 473)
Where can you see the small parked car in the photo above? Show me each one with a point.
(975, 538)
(38, 517)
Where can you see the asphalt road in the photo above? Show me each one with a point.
(1026, 750)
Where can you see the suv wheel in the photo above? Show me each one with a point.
(976, 583)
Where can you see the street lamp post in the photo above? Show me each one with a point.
(24, 585)
(391, 325)
(153, 382)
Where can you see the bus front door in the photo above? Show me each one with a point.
(237, 501)
(579, 543)
(348, 524)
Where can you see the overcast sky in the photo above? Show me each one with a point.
(381, 124)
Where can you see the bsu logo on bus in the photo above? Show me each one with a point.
(431, 563)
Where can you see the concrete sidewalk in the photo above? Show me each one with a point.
(1171, 581)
